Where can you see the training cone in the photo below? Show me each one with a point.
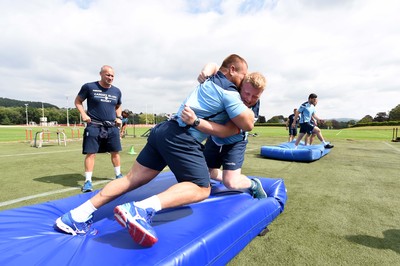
(132, 150)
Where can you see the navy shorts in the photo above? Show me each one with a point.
(96, 141)
(230, 156)
(306, 128)
(172, 145)
(292, 131)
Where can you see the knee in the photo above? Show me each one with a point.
(204, 192)
(230, 183)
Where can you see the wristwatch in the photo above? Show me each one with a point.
(196, 122)
(120, 117)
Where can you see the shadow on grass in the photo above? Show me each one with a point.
(390, 240)
(67, 180)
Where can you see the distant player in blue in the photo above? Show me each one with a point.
(307, 112)
(289, 122)
(177, 145)
(102, 118)
(124, 122)
(228, 153)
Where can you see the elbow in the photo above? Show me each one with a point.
(248, 127)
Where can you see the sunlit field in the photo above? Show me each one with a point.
(342, 209)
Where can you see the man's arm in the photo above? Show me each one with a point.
(81, 109)
(118, 112)
(296, 117)
(208, 70)
(245, 120)
(211, 128)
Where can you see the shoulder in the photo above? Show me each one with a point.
(220, 80)
(115, 88)
(90, 85)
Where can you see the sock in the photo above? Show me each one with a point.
(325, 143)
(83, 212)
(88, 176)
(152, 202)
(117, 170)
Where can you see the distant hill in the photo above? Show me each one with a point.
(343, 119)
(5, 102)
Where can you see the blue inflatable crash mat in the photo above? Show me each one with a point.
(286, 151)
(210, 232)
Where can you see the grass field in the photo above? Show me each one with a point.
(342, 209)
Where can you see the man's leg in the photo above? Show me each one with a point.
(78, 220)
(318, 132)
(116, 161)
(299, 139)
(233, 179)
(183, 193)
(89, 167)
(215, 174)
(138, 175)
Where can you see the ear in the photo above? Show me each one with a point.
(232, 69)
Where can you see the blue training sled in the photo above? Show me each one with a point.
(210, 232)
(286, 151)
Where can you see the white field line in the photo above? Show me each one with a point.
(9, 202)
(339, 132)
(36, 153)
(5, 203)
(391, 146)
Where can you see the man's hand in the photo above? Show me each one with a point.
(118, 122)
(207, 71)
(188, 116)
(86, 119)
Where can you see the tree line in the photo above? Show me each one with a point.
(14, 112)
(381, 118)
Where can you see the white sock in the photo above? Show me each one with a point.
(82, 212)
(88, 176)
(117, 170)
(152, 202)
(325, 143)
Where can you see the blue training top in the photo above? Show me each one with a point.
(306, 110)
(101, 102)
(217, 100)
(242, 135)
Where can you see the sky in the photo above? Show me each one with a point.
(345, 51)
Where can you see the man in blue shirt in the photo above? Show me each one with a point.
(229, 152)
(177, 145)
(307, 112)
(103, 117)
(289, 122)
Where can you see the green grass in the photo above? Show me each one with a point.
(342, 209)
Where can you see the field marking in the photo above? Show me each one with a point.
(36, 153)
(391, 146)
(9, 202)
(50, 152)
(339, 132)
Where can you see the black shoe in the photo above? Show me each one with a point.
(328, 146)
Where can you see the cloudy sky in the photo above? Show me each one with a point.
(346, 51)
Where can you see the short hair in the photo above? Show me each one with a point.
(235, 60)
(312, 96)
(257, 80)
(103, 68)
